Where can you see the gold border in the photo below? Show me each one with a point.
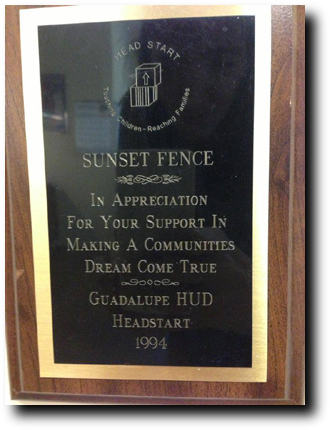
(30, 19)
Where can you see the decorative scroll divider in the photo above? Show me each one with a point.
(155, 282)
(153, 179)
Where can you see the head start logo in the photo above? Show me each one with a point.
(144, 93)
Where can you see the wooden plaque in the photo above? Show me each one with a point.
(174, 330)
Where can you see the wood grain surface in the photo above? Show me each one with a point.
(286, 249)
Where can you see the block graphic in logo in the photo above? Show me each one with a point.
(145, 90)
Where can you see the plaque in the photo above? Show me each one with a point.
(148, 154)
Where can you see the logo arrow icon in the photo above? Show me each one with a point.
(144, 92)
(145, 78)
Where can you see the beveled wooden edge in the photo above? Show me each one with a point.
(294, 392)
(161, 401)
(295, 384)
(10, 298)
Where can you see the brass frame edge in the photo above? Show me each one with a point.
(30, 19)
